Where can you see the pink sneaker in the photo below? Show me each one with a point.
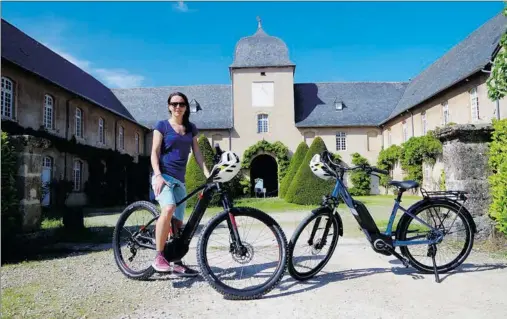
(160, 264)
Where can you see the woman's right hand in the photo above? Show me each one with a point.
(159, 183)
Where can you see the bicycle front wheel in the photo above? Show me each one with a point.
(316, 232)
(217, 246)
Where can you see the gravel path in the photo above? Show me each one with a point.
(357, 283)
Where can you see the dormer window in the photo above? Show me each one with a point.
(194, 106)
(338, 105)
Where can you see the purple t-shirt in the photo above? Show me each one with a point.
(174, 150)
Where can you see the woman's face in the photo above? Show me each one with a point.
(177, 106)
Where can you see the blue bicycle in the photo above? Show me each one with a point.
(420, 230)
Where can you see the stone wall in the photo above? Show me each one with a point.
(28, 180)
(465, 159)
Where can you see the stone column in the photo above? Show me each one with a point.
(28, 180)
(465, 157)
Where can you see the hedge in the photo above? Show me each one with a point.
(11, 217)
(306, 188)
(295, 163)
(498, 179)
(194, 176)
(360, 179)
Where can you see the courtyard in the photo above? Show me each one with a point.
(357, 283)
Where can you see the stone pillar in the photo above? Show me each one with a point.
(28, 180)
(465, 157)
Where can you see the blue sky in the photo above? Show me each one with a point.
(132, 44)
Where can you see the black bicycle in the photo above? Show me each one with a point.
(236, 248)
(421, 228)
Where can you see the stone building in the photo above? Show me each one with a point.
(263, 101)
(42, 90)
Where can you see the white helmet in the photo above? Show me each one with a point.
(227, 167)
(320, 169)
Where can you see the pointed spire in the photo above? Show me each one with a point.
(259, 23)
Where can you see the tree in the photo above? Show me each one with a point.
(295, 162)
(306, 188)
(497, 81)
(360, 179)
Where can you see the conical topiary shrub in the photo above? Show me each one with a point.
(294, 165)
(306, 188)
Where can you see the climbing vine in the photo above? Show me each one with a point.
(104, 186)
(417, 150)
(278, 148)
(386, 160)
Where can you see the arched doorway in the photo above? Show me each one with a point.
(264, 167)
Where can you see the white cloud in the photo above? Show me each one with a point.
(55, 40)
(120, 78)
(181, 6)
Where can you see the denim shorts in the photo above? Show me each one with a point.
(170, 195)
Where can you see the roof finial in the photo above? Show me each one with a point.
(259, 24)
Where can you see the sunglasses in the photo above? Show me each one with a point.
(175, 104)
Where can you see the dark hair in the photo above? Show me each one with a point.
(186, 115)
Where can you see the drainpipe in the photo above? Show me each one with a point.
(497, 109)
(67, 125)
(230, 139)
(382, 134)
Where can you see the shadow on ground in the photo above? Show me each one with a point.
(325, 278)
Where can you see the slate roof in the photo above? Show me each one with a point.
(261, 50)
(149, 105)
(466, 58)
(27, 53)
(365, 103)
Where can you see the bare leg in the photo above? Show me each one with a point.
(163, 226)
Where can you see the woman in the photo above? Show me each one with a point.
(172, 140)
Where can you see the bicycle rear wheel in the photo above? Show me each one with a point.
(132, 230)
(443, 215)
(328, 225)
(209, 245)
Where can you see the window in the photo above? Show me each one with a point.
(121, 138)
(47, 162)
(102, 134)
(77, 176)
(7, 98)
(474, 102)
(79, 122)
(137, 143)
(48, 111)
(423, 123)
(405, 131)
(341, 144)
(445, 113)
(263, 94)
(262, 123)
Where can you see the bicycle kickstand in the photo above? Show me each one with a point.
(433, 252)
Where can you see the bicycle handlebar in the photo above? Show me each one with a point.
(326, 155)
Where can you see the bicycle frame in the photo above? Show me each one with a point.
(340, 190)
(208, 189)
